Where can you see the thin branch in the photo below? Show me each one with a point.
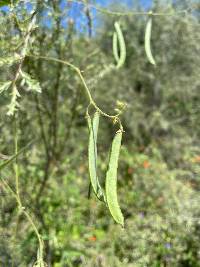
(89, 20)
(41, 124)
(78, 71)
(131, 13)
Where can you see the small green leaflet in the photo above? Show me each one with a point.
(4, 164)
(14, 104)
(4, 86)
(148, 41)
(32, 84)
(118, 37)
(92, 154)
(111, 180)
(9, 60)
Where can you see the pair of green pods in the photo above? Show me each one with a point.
(119, 45)
(110, 194)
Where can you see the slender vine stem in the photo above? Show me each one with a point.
(16, 163)
(131, 13)
(78, 71)
(22, 210)
(16, 195)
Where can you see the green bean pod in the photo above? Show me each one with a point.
(92, 154)
(122, 46)
(111, 180)
(148, 41)
(115, 47)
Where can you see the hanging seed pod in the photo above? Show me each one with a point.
(148, 41)
(115, 47)
(92, 154)
(119, 38)
(111, 180)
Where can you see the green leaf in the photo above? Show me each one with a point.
(111, 180)
(4, 86)
(9, 60)
(14, 104)
(32, 84)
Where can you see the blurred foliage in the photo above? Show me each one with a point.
(159, 167)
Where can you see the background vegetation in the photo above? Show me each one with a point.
(159, 168)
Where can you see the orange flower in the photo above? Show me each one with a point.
(196, 159)
(146, 164)
(92, 238)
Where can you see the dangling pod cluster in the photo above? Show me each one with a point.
(110, 195)
(119, 45)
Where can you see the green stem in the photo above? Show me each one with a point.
(131, 13)
(16, 163)
(78, 71)
(18, 199)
